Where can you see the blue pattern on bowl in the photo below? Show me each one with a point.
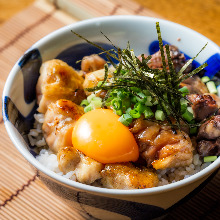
(21, 123)
(154, 46)
(30, 65)
(76, 53)
(213, 65)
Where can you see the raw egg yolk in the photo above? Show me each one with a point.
(99, 135)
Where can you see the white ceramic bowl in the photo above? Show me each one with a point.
(19, 106)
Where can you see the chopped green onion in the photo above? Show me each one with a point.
(116, 104)
(128, 110)
(143, 97)
(133, 99)
(211, 87)
(99, 83)
(114, 93)
(88, 108)
(188, 115)
(159, 115)
(148, 113)
(96, 99)
(135, 113)
(155, 101)
(193, 130)
(90, 97)
(121, 95)
(96, 103)
(148, 101)
(135, 89)
(183, 101)
(140, 107)
(126, 103)
(146, 92)
(118, 112)
(84, 102)
(107, 103)
(183, 105)
(205, 79)
(165, 97)
(210, 159)
(190, 109)
(184, 90)
(125, 119)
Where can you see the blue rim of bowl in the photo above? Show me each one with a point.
(98, 190)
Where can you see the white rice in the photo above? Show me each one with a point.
(49, 160)
(35, 135)
(173, 175)
(39, 118)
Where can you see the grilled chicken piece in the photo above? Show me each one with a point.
(160, 147)
(86, 169)
(203, 106)
(210, 129)
(68, 158)
(139, 125)
(175, 150)
(215, 97)
(209, 147)
(58, 81)
(147, 136)
(209, 137)
(127, 176)
(92, 79)
(58, 124)
(194, 85)
(92, 63)
(177, 57)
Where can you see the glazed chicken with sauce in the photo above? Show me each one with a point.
(209, 147)
(58, 81)
(210, 130)
(203, 105)
(92, 79)
(92, 63)
(160, 146)
(195, 85)
(86, 169)
(58, 123)
(127, 176)
(209, 137)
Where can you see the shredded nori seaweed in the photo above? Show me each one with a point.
(163, 85)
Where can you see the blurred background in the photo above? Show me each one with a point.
(200, 15)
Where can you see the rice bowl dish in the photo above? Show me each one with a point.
(24, 123)
(196, 93)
